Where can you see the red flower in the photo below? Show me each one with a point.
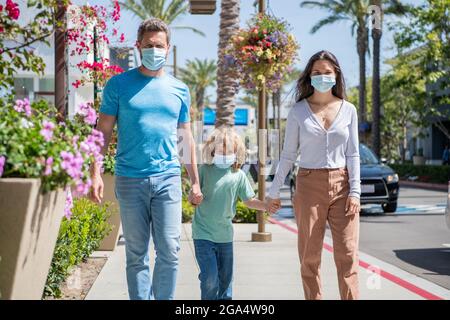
(13, 9)
(77, 83)
(122, 37)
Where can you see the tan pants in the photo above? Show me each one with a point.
(321, 195)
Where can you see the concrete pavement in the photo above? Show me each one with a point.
(270, 271)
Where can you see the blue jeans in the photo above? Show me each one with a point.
(215, 261)
(151, 207)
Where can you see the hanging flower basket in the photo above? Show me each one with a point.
(262, 53)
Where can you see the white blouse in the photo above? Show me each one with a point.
(317, 148)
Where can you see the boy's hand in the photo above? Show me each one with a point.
(272, 205)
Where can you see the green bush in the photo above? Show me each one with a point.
(188, 210)
(78, 237)
(244, 214)
(425, 173)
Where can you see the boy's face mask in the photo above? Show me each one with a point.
(224, 161)
(153, 58)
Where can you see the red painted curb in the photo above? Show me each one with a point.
(389, 276)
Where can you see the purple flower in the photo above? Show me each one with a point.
(23, 106)
(82, 188)
(89, 114)
(2, 164)
(48, 166)
(72, 164)
(69, 203)
(47, 130)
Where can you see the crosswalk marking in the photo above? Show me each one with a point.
(287, 212)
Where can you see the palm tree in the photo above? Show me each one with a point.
(160, 9)
(391, 7)
(226, 85)
(199, 75)
(356, 12)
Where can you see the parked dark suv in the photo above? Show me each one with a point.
(379, 183)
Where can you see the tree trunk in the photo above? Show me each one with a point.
(362, 49)
(376, 100)
(226, 85)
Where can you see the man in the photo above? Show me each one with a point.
(150, 107)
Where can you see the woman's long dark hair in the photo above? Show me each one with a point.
(305, 89)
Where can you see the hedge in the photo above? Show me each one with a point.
(78, 237)
(425, 173)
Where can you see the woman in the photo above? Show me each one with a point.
(322, 127)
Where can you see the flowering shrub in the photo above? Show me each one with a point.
(18, 38)
(98, 71)
(262, 53)
(34, 145)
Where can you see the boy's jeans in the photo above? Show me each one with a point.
(153, 205)
(216, 269)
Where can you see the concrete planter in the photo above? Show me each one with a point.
(418, 160)
(110, 241)
(29, 226)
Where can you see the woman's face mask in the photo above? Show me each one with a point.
(153, 58)
(323, 83)
(224, 161)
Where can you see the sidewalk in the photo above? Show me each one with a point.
(271, 270)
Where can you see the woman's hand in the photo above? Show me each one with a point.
(352, 206)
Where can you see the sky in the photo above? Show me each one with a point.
(336, 38)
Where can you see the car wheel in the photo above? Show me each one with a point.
(389, 207)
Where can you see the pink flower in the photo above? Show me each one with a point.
(23, 106)
(69, 203)
(89, 114)
(2, 164)
(116, 12)
(48, 166)
(47, 130)
(72, 164)
(122, 37)
(13, 9)
(77, 83)
(82, 188)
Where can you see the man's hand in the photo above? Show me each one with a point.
(273, 205)
(96, 193)
(352, 206)
(195, 195)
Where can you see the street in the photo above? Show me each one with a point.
(414, 239)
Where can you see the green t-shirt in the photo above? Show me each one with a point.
(221, 189)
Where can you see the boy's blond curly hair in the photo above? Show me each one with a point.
(228, 137)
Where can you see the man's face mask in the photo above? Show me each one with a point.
(153, 58)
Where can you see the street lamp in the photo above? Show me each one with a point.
(202, 6)
(261, 235)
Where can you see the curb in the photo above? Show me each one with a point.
(424, 185)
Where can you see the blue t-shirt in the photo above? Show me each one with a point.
(148, 111)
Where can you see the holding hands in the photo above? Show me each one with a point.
(273, 205)
(195, 195)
